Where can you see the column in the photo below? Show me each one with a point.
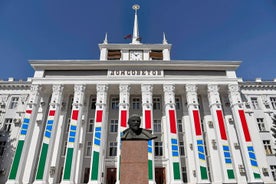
(49, 135)
(70, 161)
(223, 146)
(25, 136)
(197, 134)
(172, 135)
(99, 137)
(148, 124)
(123, 117)
(244, 136)
(61, 125)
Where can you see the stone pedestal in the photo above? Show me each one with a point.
(134, 162)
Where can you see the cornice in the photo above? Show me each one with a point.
(268, 85)
(104, 64)
(5, 85)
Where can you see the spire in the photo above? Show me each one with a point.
(105, 39)
(164, 39)
(135, 35)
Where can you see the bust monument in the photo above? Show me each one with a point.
(134, 132)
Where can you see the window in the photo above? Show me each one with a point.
(14, 102)
(181, 148)
(2, 147)
(136, 103)
(115, 103)
(267, 147)
(184, 174)
(113, 149)
(114, 125)
(93, 103)
(7, 125)
(90, 125)
(157, 125)
(64, 148)
(179, 124)
(254, 102)
(156, 103)
(177, 103)
(68, 125)
(88, 148)
(114, 55)
(261, 124)
(273, 171)
(158, 148)
(273, 102)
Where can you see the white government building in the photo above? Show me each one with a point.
(63, 125)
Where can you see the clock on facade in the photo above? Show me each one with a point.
(136, 55)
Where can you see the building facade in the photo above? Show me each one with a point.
(63, 125)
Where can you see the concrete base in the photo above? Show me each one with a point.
(134, 162)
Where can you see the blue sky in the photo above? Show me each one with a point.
(197, 29)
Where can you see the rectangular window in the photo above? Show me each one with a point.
(273, 102)
(181, 148)
(90, 127)
(267, 147)
(64, 148)
(68, 124)
(136, 103)
(114, 125)
(88, 148)
(179, 124)
(158, 148)
(93, 103)
(113, 149)
(7, 125)
(273, 171)
(177, 103)
(14, 102)
(115, 103)
(254, 102)
(261, 124)
(2, 147)
(156, 103)
(184, 174)
(157, 125)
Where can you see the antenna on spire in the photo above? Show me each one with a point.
(105, 39)
(135, 36)
(164, 39)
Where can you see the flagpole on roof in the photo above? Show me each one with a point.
(135, 36)
(105, 39)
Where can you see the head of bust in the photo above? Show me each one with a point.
(134, 123)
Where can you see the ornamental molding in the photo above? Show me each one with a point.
(124, 88)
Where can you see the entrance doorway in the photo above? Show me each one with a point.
(160, 175)
(111, 176)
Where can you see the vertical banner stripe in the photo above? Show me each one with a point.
(52, 113)
(99, 116)
(75, 114)
(42, 160)
(123, 118)
(197, 123)
(68, 164)
(244, 126)
(172, 121)
(147, 119)
(221, 125)
(95, 166)
(16, 160)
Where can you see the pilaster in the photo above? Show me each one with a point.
(244, 136)
(99, 137)
(172, 135)
(25, 136)
(123, 118)
(148, 124)
(70, 162)
(221, 143)
(201, 172)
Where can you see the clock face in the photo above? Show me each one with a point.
(136, 55)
